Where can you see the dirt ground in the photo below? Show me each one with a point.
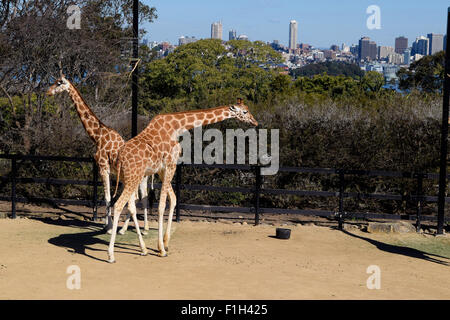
(218, 260)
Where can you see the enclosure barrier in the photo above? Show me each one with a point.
(419, 198)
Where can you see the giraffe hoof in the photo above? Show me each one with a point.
(166, 248)
(121, 231)
(108, 231)
(144, 253)
(162, 254)
(111, 260)
(144, 232)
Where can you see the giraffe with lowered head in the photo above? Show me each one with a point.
(107, 142)
(156, 150)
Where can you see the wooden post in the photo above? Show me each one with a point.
(444, 136)
(95, 193)
(178, 191)
(258, 183)
(341, 200)
(13, 186)
(419, 201)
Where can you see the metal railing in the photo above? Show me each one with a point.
(257, 190)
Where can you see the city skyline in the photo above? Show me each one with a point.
(321, 25)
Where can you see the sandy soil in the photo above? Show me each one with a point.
(210, 260)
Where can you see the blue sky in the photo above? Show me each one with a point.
(321, 22)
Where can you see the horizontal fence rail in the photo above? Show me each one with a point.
(257, 190)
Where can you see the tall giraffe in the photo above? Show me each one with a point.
(107, 142)
(156, 150)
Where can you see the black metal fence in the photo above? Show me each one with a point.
(257, 190)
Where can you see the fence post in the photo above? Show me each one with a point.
(178, 190)
(341, 200)
(13, 186)
(95, 182)
(258, 183)
(419, 200)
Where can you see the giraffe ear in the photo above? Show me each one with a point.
(239, 101)
(232, 108)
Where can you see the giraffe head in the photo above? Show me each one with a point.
(240, 112)
(60, 85)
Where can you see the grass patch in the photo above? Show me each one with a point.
(437, 246)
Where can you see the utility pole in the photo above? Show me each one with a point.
(135, 74)
(444, 136)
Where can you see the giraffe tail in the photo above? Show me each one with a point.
(118, 178)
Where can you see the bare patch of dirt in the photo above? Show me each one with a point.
(214, 260)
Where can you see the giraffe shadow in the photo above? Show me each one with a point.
(88, 240)
(401, 250)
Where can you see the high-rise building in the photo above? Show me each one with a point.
(232, 35)
(401, 43)
(216, 30)
(384, 51)
(436, 43)
(293, 33)
(395, 58)
(367, 49)
(185, 40)
(407, 56)
(420, 46)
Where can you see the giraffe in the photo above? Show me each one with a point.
(156, 150)
(107, 142)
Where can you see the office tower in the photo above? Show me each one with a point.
(345, 48)
(420, 46)
(401, 43)
(445, 42)
(436, 43)
(232, 35)
(384, 51)
(407, 56)
(395, 58)
(354, 49)
(216, 30)
(293, 32)
(185, 40)
(367, 49)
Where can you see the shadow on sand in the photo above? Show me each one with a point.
(405, 251)
(82, 242)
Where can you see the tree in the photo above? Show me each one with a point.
(372, 81)
(426, 74)
(208, 73)
(36, 46)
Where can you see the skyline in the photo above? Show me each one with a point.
(319, 24)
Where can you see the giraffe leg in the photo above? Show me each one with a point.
(173, 201)
(144, 199)
(106, 186)
(118, 207)
(125, 224)
(161, 209)
(132, 209)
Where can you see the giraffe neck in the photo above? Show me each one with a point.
(197, 118)
(90, 121)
